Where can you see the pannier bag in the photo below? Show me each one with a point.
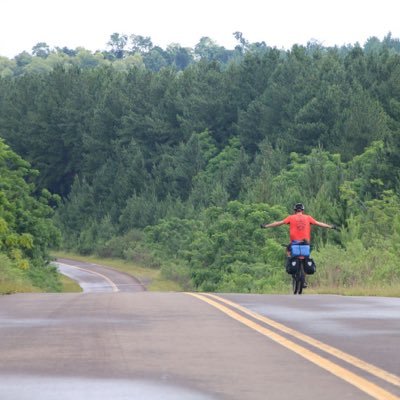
(309, 266)
(291, 265)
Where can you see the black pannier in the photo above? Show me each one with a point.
(291, 265)
(309, 266)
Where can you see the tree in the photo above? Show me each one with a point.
(208, 49)
(156, 59)
(87, 60)
(26, 230)
(181, 57)
(43, 119)
(7, 67)
(204, 102)
(364, 122)
(23, 59)
(41, 50)
(129, 62)
(117, 43)
(65, 50)
(140, 44)
(244, 44)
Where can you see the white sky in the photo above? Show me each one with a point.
(280, 23)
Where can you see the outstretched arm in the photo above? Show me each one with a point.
(273, 224)
(323, 225)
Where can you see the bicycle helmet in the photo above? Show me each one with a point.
(298, 207)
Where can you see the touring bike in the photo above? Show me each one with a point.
(299, 263)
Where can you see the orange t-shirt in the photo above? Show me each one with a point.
(300, 226)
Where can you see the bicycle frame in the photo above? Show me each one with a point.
(299, 277)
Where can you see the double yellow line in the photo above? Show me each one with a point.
(363, 384)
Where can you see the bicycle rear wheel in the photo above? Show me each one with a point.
(294, 284)
(298, 279)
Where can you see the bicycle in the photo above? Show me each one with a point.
(300, 263)
(299, 277)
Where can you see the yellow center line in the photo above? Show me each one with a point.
(112, 284)
(372, 369)
(364, 385)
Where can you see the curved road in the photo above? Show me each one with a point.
(117, 341)
(98, 278)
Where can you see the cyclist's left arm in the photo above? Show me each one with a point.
(323, 225)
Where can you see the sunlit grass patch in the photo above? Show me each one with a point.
(380, 291)
(69, 285)
(13, 279)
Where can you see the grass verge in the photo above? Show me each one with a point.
(13, 279)
(69, 285)
(379, 291)
(150, 278)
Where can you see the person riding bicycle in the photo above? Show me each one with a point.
(299, 225)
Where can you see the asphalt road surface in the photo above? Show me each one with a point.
(97, 278)
(117, 341)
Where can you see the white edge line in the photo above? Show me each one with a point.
(112, 284)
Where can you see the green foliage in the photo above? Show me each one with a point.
(169, 157)
(221, 244)
(256, 278)
(356, 266)
(75, 213)
(46, 278)
(380, 220)
(12, 278)
(313, 179)
(222, 177)
(26, 229)
(369, 254)
(95, 235)
(171, 236)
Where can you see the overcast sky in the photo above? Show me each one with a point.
(280, 23)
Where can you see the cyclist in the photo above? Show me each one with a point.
(299, 224)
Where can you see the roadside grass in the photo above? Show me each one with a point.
(376, 289)
(372, 290)
(149, 277)
(69, 285)
(12, 287)
(13, 279)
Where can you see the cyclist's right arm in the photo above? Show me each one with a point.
(272, 224)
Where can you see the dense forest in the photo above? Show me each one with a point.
(172, 158)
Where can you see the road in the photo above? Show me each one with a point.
(97, 278)
(117, 341)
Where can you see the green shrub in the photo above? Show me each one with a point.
(45, 278)
(355, 266)
(12, 278)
